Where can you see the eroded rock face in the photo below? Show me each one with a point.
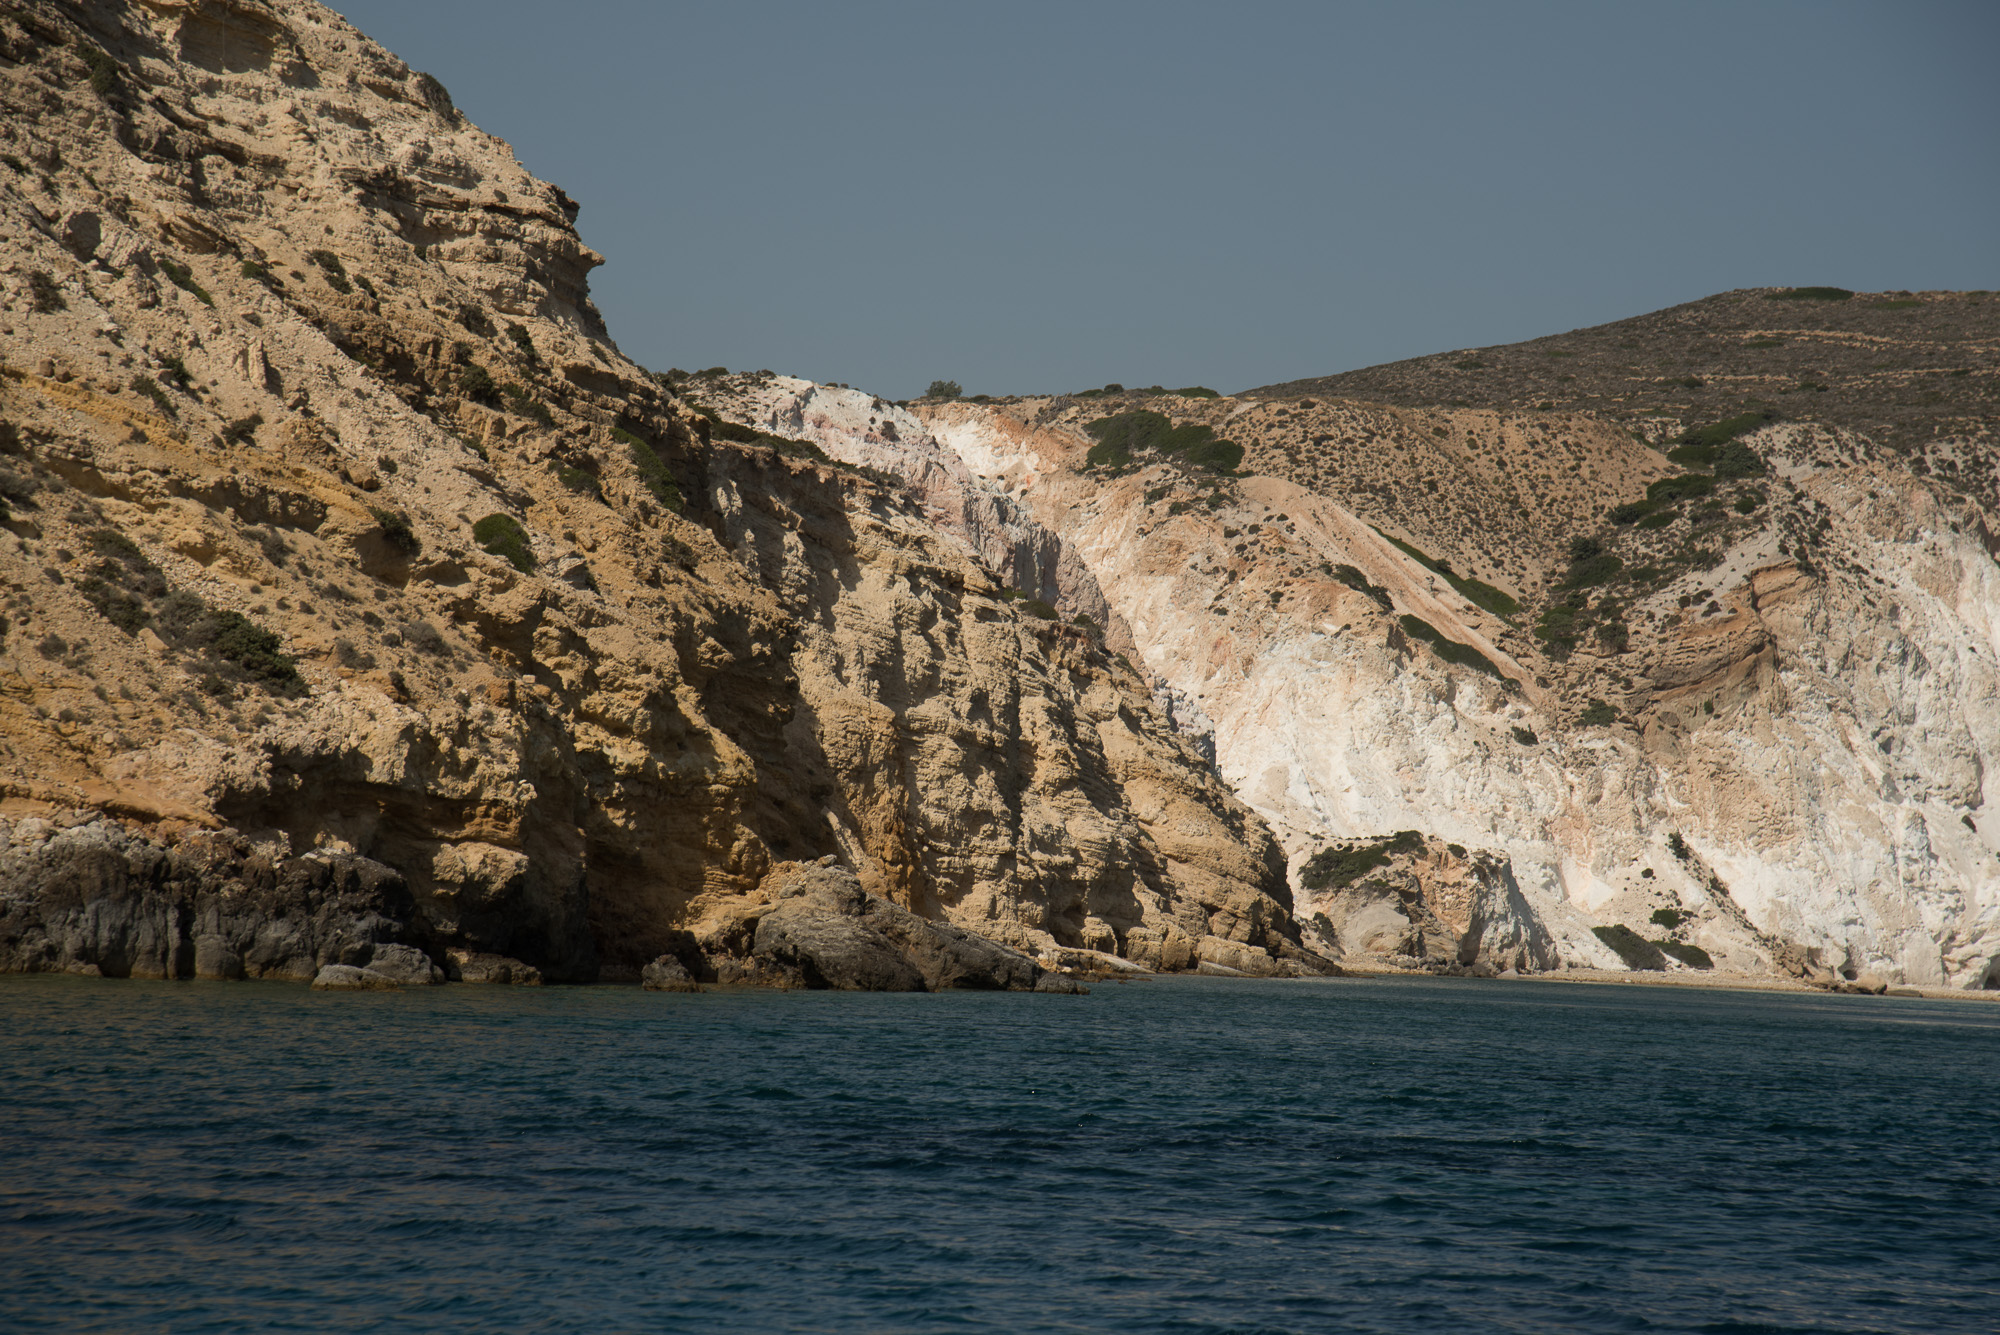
(292, 348)
(813, 925)
(94, 897)
(1789, 754)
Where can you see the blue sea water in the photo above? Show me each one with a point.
(1175, 1156)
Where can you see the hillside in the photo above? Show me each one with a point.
(367, 610)
(1525, 687)
(1917, 372)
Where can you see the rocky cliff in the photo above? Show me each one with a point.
(1721, 681)
(365, 605)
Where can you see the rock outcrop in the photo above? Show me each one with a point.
(1773, 731)
(338, 533)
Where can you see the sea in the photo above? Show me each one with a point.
(1167, 1155)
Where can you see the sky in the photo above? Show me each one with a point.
(1032, 197)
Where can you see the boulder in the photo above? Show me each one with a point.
(405, 965)
(831, 950)
(1235, 956)
(474, 966)
(351, 978)
(668, 974)
(826, 931)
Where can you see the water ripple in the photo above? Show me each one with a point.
(1188, 1156)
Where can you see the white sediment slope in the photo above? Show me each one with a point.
(1816, 741)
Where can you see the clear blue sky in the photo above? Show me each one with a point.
(1028, 197)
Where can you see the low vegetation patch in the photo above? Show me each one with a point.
(45, 293)
(653, 472)
(1590, 564)
(395, 528)
(1338, 868)
(1477, 592)
(1121, 437)
(502, 535)
(1812, 294)
(1597, 714)
(132, 593)
(579, 480)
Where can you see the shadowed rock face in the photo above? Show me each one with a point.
(96, 899)
(285, 338)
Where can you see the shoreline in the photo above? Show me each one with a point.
(1714, 980)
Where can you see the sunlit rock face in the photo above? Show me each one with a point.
(341, 536)
(1787, 755)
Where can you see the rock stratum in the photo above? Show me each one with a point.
(371, 620)
(1640, 683)
(365, 606)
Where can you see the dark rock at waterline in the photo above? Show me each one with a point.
(350, 978)
(825, 931)
(668, 974)
(209, 906)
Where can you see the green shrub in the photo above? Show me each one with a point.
(1812, 294)
(944, 389)
(1720, 433)
(1737, 460)
(1451, 651)
(45, 294)
(1667, 918)
(1692, 956)
(1748, 502)
(115, 605)
(396, 531)
(1525, 736)
(1107, 454)
(527, 405)
(1594, 570)
(182, 277)
(1197, 392)
(1687, 486)
(1597, 714)
(1038, 609)
(653, 473)
(1659, 520)
(1142, 431)
(578, 480)
(1338, 868)
(502, 535)
(1679, 847)
(104, 70)
(1477, 592)
(1635, 950)
(1631, 512)
(256, 652)
(521, 340)
(477, 384)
